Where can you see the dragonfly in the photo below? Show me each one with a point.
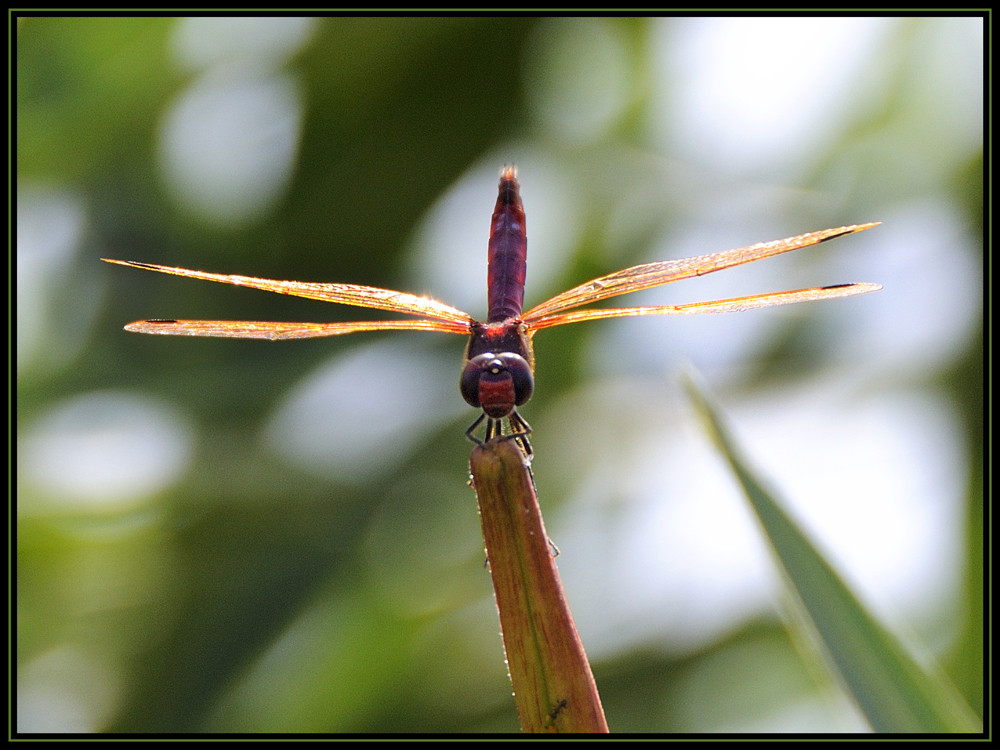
(498, 371)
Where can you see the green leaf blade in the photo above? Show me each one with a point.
(894, 692)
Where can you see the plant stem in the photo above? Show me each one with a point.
(553, 686)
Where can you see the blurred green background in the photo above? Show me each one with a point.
(240, 536)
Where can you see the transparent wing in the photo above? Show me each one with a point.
(664, 272)
(737, 304)
(345, 294)
(252, 329)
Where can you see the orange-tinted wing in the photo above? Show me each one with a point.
(345, 294)
(253, 329)
(442, 317)
(649, 275)
(737, 304)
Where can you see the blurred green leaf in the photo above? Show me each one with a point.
(891, 688)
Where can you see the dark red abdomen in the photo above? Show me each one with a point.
(507, 252)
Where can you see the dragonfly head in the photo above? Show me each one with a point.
(497, 382)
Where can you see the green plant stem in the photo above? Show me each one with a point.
(553, 686)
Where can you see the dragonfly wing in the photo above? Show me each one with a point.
(736, 304)
(252, 329)
(663, 272)
(345, 294)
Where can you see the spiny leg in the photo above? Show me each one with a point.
(494, 429)
(520, 430)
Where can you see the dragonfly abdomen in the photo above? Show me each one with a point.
(508, 250)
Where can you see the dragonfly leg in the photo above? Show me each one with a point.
(520, 430)
(494, 429)
(472, 428)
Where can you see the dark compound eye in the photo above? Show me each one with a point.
(520, 371)
(469, 383)
(497, 382)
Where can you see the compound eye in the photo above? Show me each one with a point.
(497, 382)
(520, 372)
(471, 373)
